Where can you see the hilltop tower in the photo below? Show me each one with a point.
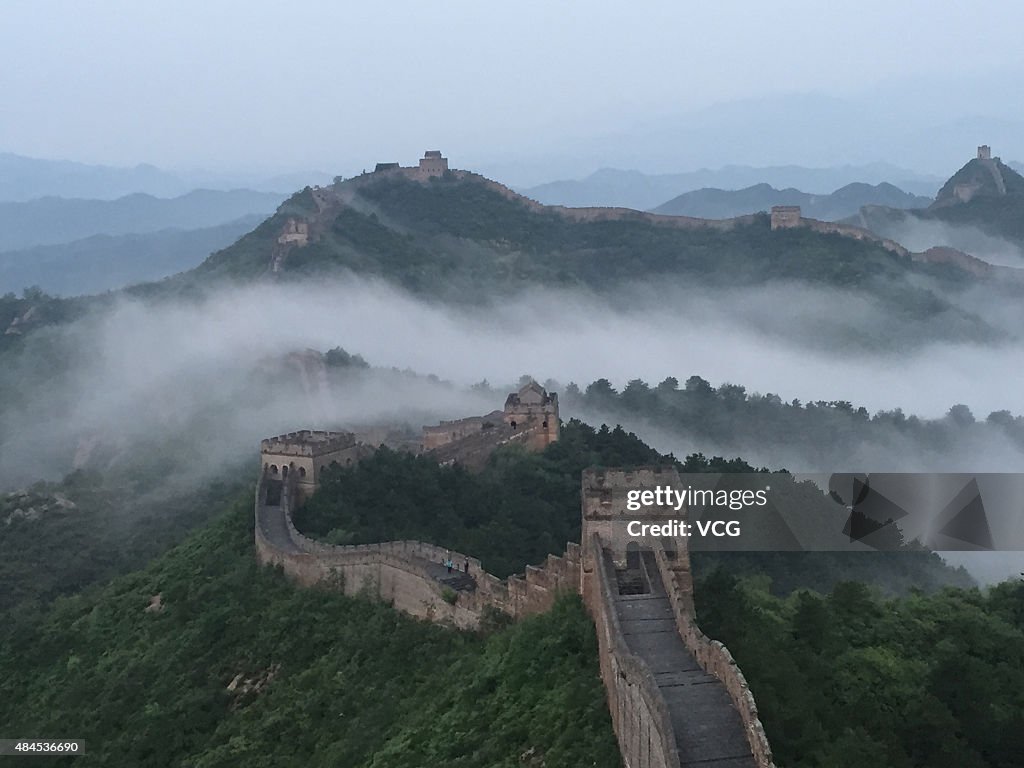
(533, 407)
(984, 152)
(432, 164)
(605, 510)
(785, 216)
(306, 454)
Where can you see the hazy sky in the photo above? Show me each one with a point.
(336, 86)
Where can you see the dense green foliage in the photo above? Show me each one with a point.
(524, 506)
(515, 512)
(112, 528)
(824, 433)
(461, 240)
(319, 678)
(851, 679)
(239, 667)
(988, 210)
(1000, 216)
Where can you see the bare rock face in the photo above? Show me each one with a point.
(241, 686)
(156, 604)
(19, 324)
(28, 505)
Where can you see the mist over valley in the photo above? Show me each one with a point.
(348, 356)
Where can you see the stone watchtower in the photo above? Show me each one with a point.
(306, 454)
(785, 216)
(984, 152)
(534, 408)
(606, 511)
(432, 164)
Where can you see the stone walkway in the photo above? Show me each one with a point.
(272, 523)
(708, 729)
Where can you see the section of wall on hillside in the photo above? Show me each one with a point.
(713, 657)
(403, 573)
(640, 715)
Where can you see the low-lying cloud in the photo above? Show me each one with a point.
(214, 372)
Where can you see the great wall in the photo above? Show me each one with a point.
(676, 697)
(298, 232)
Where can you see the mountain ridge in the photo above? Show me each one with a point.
(980, 208)
(839, 204)
(108, 262)
(52, 220)
(643, 191)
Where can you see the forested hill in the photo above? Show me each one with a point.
(203, 658)
(984, 194)
(463, 237)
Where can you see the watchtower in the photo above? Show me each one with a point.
(984, 152)
(785, 216)
(432, 164)
(606, 508)
(534, 408)
(307, 454)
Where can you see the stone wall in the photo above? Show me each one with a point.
(451, 431)
(399, 572)
(473, 450)
(713, 657)
(406, 574)
(640, 715)
(857, 233)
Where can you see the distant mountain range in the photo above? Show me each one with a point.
(28, 178)
(845, 201)
(103, 262)
(54, 220)
(633, 189)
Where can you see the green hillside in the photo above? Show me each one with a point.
(205, 659)
(242, 668)
(452, 234)
(853, 679)
(461, 239)
(984, 194)
(986, 178)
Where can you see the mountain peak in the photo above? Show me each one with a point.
(982, 177)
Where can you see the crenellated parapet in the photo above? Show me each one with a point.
(676, 697)
(411, 575)
(641, 717)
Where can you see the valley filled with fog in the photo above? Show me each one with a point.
(146, 370)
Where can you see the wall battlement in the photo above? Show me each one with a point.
(654, 707)
(307, 442)
(431, 164)
(408, 574)
(530, 417)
